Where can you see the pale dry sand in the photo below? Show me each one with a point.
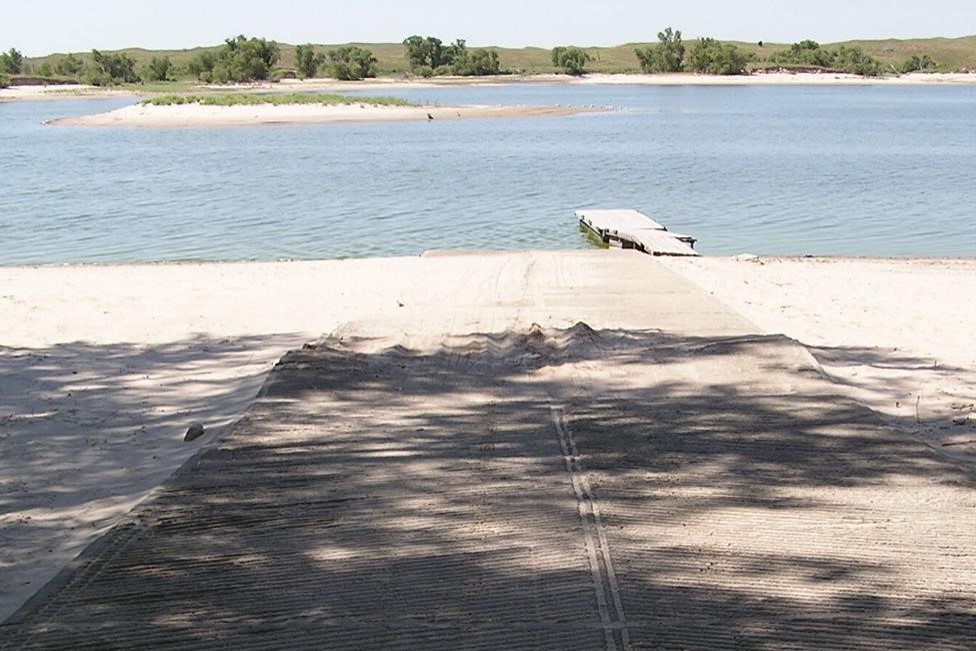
(679, 79)
(196, 115)
(75, 91)
(778, 79)
(897, 333)
(61, 91)
(104, 367)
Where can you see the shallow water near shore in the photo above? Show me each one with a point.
(871, 171)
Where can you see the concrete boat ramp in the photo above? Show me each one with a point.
(540, 487)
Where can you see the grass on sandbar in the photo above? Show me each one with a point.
(275, 99)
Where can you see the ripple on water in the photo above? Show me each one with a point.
(844, 170)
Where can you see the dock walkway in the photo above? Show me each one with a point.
(631, 229)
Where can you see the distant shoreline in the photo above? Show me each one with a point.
(77, 91)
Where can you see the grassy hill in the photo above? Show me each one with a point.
(951, 54)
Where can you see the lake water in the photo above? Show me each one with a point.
(775, 170)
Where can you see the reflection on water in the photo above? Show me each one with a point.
(844, 170)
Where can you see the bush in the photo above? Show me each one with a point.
(571, 60)
(712, 57)
(351, 63)
(239, 59)
(307, 62)
(917, 64)
(667, 56)
(11, 62)
(4, 80)
(476, 63)
(201, 66)
(69, 66)
(805, 53)
(844, 59)
(855, 61)
(429, 51)
(108, 69)
(158, 69)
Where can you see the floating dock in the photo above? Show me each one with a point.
(631, 229)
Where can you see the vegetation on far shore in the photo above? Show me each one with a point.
(243, 59)
(238, 99)
(428, 56)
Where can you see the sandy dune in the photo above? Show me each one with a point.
(104, 367)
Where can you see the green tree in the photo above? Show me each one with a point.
(480, 62)
(667, 56)
(69, 66)
(856, 61)
(45, 70)
(467, 63)
(571, 60)
(917, 64)
(158, 69)
(307, 62)
(416, 53)
(4, 80)
(201, 66)
(244, 59)
(712, 57)
(455, 55)
(11, 62)
(805, 53)
(106, 69)
(351, 63)
(430, 52)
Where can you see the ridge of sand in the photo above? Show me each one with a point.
(197, 115)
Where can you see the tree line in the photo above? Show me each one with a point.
(428, 56)
(346, 63)
(853, 60)
(706, 56)
(243, 59)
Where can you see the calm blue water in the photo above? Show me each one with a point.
(843, 170)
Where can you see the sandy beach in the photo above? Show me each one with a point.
(893, 332)
(36, 93)
(77, 91)
(778, 79)
(104, 367)
(196, 115)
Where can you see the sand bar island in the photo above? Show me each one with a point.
(294, 108)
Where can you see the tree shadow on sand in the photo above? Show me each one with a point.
(539, 490)
(87, 430)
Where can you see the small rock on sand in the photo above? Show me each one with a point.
(193, 432)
